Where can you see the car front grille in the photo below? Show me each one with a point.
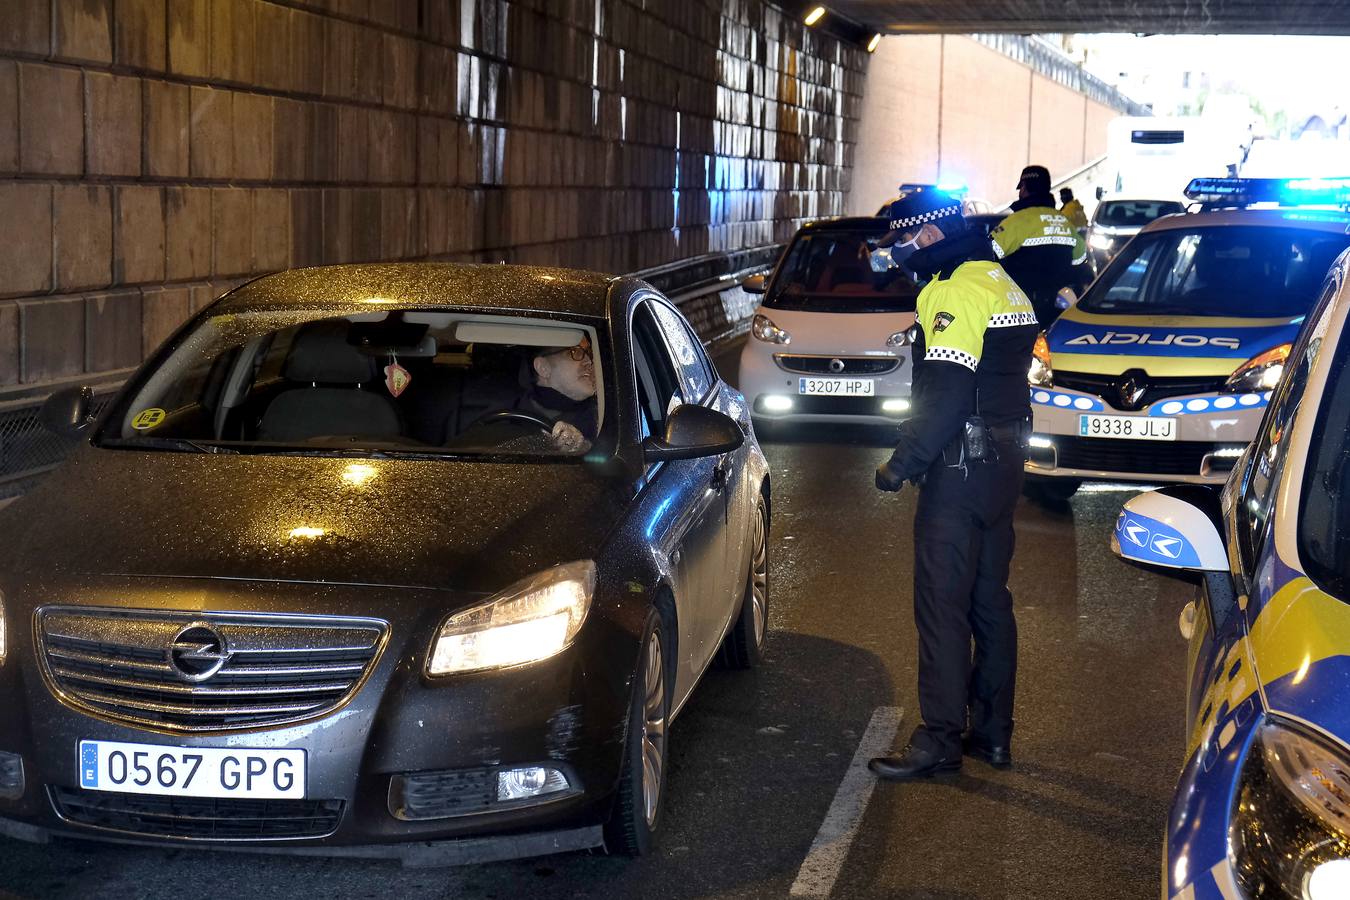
(1155, 389)
(154, 669)
(1133, 457)
(198, 818)
(820, 365)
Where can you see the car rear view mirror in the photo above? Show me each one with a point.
(693, 431)
(755, 284)
(1174, 531)
(68, 412)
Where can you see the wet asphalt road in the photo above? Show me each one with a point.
(756, 757)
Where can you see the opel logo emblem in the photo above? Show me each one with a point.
(197, 652)
(836, 366)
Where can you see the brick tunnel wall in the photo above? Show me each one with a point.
(949, 108)
(153, 153)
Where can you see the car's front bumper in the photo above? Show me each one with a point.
(774, 392)
(1212, 429)
(568, 712)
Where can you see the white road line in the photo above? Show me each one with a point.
(821, 867)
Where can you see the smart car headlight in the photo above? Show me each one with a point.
(763, 329)
(1290, 829)
(1260, 373)
(1041, 375)
(532, 620)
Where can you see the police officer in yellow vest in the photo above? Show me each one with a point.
(1038, 245)
(964, 446)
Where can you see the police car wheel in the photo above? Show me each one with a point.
(745, 642)
(1050, 490)
(632, 827)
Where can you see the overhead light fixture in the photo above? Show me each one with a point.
(873, 43)
(815, 15)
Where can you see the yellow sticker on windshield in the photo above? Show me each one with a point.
(148, 418)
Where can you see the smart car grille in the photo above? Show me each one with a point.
(1136, 457)
(852, 365)
(194, 672)
(1155, 389)
(198, 818)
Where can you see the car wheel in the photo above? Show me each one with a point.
(745, 642)
(632, 827)
(1051, 490)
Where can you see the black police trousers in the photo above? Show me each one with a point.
(963, 548)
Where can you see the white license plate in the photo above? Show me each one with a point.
(1139, 428)
(837, 387)
(192, 771)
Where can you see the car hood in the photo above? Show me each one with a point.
(1081, 341)
(858, 333)
(417, 523)
(1300, 641)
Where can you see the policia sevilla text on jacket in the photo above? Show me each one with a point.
(970, 388)
(1038, 246)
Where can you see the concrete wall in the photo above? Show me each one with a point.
(153, 153)
(948, 108)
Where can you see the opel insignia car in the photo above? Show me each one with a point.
(1262, 805)
(1163, 369)
(827, 343)
(314, 580)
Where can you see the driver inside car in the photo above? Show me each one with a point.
(562, 391)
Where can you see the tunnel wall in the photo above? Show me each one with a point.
(154, 153)
(949, 108)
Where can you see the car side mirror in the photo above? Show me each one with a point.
(68, 412)
(693, 431)
(1174, 531)
(1101, 192)
(755, 284)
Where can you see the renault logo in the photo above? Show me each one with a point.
(197, 652)
(836, 366)
(1131, 389)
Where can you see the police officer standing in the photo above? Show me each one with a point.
(1038, 246)
(964, 446)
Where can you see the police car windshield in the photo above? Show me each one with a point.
(1217, 271)
(1324, 520)
(828, 271)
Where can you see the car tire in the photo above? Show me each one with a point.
(744, 644)
(1054, 491)
(636, 819)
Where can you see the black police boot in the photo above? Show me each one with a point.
(997, 755)
(914, 764)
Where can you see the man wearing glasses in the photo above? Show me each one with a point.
(563, 392)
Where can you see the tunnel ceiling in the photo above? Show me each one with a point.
(1088, 16)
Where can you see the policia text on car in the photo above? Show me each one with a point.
(964, 446)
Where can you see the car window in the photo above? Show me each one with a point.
(1217, 271)
(696, 373)
(829, 271)
(1324, 520)
(1134, 213)
(1269, 449)
(400, 380)
(658, 377)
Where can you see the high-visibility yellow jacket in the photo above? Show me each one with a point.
(1039, 248)
(1074, 212)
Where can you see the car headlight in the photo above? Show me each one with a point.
(1041, 374)
(1100, 241)
(763, 329)
(1290, 834)
(532, 620)
(904, 338)
(1261, 372)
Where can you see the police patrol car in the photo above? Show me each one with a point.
(1163, 369)
(1262, 806)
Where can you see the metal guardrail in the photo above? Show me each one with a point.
(706, 288)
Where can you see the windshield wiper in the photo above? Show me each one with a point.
(167, 443)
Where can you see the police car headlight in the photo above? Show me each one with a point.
(1290, 831)
(534, 619)
(763, 329)
(1261, 372)
(1041, 375)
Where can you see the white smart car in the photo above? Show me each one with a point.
(829, 342)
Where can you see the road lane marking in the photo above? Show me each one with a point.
(828, 851)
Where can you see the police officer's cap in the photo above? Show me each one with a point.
(919, 208)
(1036, 179)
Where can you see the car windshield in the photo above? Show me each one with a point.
(1217, 271)
(1134, 213)
(386, 383)
(828, 271)
(1324, 520)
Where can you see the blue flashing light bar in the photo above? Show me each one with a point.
(1282, 191)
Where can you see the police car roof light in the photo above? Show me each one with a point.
(1234, 192)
